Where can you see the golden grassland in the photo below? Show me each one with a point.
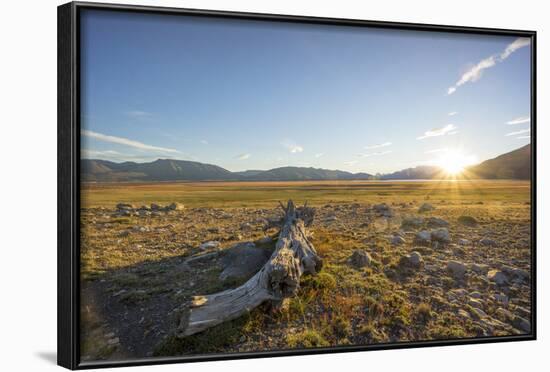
(266, 194)
(131, 266)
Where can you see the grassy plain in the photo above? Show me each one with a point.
(135, 276)
(266, 194)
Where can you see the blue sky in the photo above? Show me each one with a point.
(259, 95)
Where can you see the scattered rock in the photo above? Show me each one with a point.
(463, 241)
(441, 235)
(501, 298)
(410, 223)
(414, 260)
(423, 237)
(246, 226)
(475, 302)
(497, 276)
(504, 315)
(383, 210)
(360, 258)
(243, 260)
(457, 269)
(467, 221)
(437, 222)
(176, 207)
(488, 242)
(477, 313)
(397, 240)
(426, 207)
(479, 268)
(521, 323)
(155, 207)
(124, 206)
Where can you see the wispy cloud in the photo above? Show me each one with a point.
(292, 147)
(89, 154)
(517, 133)
(524, 137)
(126, 142)
(452, 113)
(520, 120)
(447, 129)
(378, 145)
(379, 153)
(474, 73)
(138, 114)
(243, 156)
(319, 155)
(204, 142)
(435, 151)
(350, 163)
(511, 48)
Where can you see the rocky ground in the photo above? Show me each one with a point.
(419, 270)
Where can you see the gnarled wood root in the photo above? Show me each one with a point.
(278, 279)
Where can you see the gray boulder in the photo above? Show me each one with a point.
(383, 210)
(497, 276)
(457, 269)
(426, 207)
(243, 260)
(423, 237)
(441, 235)
(360, 258)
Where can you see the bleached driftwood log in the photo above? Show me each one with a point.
(279, 278)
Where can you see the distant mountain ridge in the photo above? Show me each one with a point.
(512, 165)
(515, 165)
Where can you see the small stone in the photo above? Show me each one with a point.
(467, 221)
(488, 242)
(479, 268)
(414, 260)
(423, 237)
(155, 207)
(501, 298)
(476, 295)
(176, 207)
(441, 235)
(383, 210)
(412, 222)
(113, 341)
(521, 323)
(124, 206)
(397, 240)
(474, 302)
(426, 207)
(360, 258)
(497, 276)
(437, 222)
(457, 269)
(463, 241)
(477, 313)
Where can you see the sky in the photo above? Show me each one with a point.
(261, 95)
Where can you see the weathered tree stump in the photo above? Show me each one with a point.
(279, 278)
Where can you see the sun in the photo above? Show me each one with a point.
(453, 162)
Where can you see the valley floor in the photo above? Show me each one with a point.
(445, 260)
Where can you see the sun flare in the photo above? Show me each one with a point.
(453, 162)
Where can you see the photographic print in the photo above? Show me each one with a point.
(252, 185)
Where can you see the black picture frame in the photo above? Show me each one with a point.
(69, 180)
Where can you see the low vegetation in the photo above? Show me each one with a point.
(140, 265)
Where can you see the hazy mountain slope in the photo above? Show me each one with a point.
(416, 173)
(515, 164)
(512, 165)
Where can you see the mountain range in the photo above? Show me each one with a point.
(512, 165)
